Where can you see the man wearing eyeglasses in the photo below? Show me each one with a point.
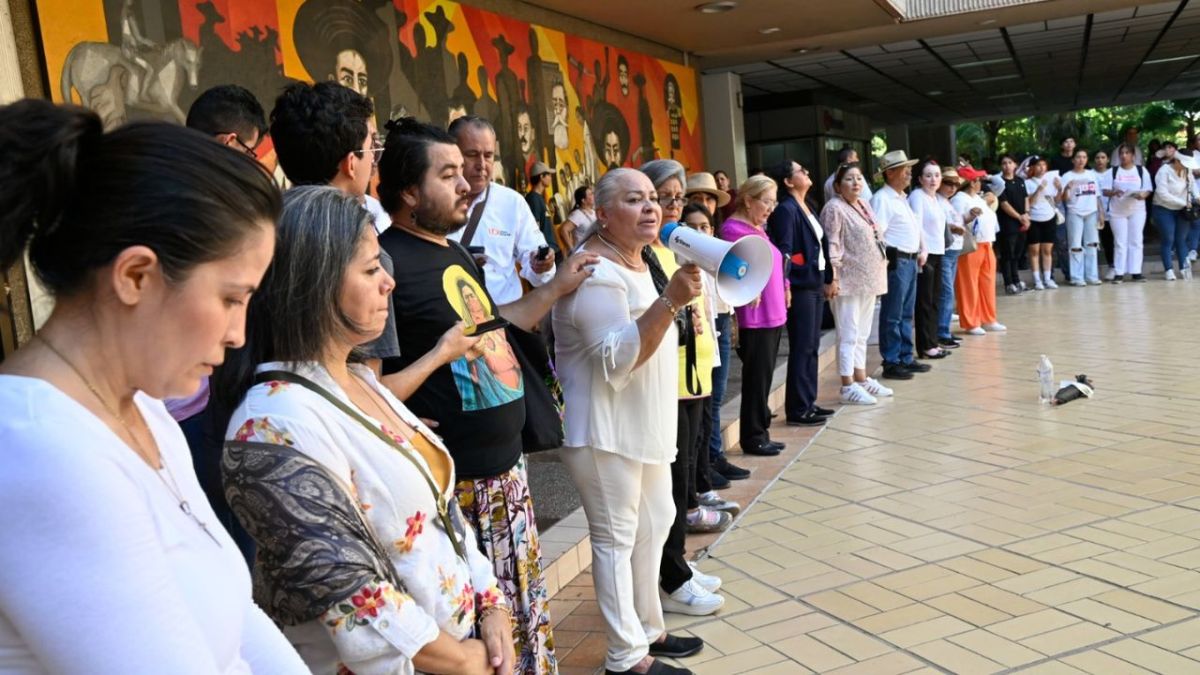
(325, 134)
(230, 114)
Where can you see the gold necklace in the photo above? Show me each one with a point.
(614, 250)
(173, 486)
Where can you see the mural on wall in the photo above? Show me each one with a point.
(547, 93)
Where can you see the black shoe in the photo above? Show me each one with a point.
(823, 412)
(656, 668)
(730, 470)
(808, 419)
(914, 367)
(676, 646)
(941, 354)
(777, 445)
(716, 480)
(949, 343)
(896, 371)
(1138, 277)
(764, 450)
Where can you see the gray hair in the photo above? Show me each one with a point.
(295, 312)
(469, 122)
(663, 170)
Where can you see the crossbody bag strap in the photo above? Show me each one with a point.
(439, 498)
(476, 215)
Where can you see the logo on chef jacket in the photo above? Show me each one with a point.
(497, 232)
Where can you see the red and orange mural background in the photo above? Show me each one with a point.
(573, 103)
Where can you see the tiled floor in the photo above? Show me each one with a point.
(962, 527)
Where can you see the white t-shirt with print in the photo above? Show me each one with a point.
(1127, 181)
(1082, 196)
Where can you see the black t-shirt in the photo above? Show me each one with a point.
(1014, 194)
(1061, 164)
(478, 402)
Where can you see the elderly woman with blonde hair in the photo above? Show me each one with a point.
(760, 323)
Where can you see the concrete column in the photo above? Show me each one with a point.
(724, 130)
(897, 138)
(11, 88)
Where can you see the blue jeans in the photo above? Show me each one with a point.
(719, 379)
(1084, 240)
(946, 294)
(896, 311)
(1174, 230)
(1193, 238)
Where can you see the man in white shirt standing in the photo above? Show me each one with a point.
(905, 257)
(499, 219)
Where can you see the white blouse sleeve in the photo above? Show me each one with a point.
(600, 311)
(83, 577)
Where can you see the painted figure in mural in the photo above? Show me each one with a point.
(439, 66)
(527, 138)
(91, 70)
(645, 152)
(588, 164)
(612, 140)
(558, 123)
(132, 45)
(508, 96)
(537, 101)
(401, 92)
(463, 94)
(485, 105)
(674, 109)
(252, 65)
(623, 74)
(343, 41)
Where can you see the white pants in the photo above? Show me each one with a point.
(1127, 234)
(853, 314)
(629, 511)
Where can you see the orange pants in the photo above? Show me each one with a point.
(975, 287)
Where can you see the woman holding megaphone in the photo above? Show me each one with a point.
(616, 344)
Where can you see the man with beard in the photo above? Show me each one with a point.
(503, 224)
(623, 74)
(423, 187)
(558, 99)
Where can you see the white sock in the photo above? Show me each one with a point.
(1048, 276)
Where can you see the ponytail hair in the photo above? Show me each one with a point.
(76, 197)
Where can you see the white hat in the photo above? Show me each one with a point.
(894, 159)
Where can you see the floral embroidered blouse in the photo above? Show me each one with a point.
(352, 557)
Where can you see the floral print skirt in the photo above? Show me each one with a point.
(501, 511)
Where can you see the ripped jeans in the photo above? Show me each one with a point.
(1083, 240)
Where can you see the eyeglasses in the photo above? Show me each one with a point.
(245, 148)
(672, 199)
(376, 150)
(769, 203)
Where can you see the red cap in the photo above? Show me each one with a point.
(969, 173)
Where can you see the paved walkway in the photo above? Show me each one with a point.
(962, 527)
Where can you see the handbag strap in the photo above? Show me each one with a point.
(439, 498)
(476, 215)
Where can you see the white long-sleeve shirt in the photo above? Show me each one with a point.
(101, 573)
(1171, 191)
(508, 234)
(611, 405)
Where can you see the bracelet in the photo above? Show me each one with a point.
(670, 305)
(504, 609)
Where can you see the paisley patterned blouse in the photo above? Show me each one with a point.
(352, 558)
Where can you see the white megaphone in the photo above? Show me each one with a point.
(742, 268)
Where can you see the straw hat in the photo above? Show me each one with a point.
(949, 173)
(895, 159)
(706, 183)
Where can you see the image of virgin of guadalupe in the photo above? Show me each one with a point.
(489, 375)
(674, 108)
(343, 41)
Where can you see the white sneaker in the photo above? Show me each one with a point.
(1112, 274)
(692, 599)
(1192, 256)
(874, 388)
(977, 330)
(1037, 285)
(1050, 283)
(1170, 275)
(953, 318)
(713, 501)
(995, 327)
(855, 394)
(1186, 273)
(709, 582)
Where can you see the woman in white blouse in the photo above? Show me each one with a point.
(152, 238)
(616, 343)
(932, 218)
(362, 552)
(1174, 189)
(581, 217)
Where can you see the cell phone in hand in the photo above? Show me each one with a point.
(543, 252)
